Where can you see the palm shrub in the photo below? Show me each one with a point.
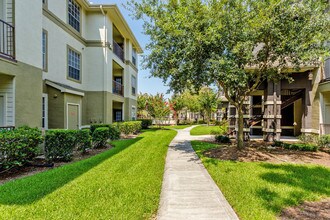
(19, 146)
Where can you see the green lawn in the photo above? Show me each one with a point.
(204, 130)
(121, 183)
(173, 126)
(262, 190)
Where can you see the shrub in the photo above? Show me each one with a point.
(129, 127)
(145, 123)
(59, 144)
(114, 132)
(17, 147)
(95, 126)
(301, 147)
(309, 138)
(100, 137)
(83, 140)
(201, 122)
(324, 141)
(215, 132)
(278, 143)
(222, 139)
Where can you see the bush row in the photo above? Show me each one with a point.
(19, 146)
(297, 146)
(129, 127)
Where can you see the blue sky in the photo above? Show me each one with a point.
(145, 84)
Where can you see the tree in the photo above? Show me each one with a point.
(208, 101)
(141, 104)
(177, 103)
(235, 44)
(157, 107)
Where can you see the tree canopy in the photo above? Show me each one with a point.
(234, 44)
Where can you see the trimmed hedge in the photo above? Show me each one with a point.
(145, 123)
(19, 146)
(222, 139)
(300, 147)
(83, 140)
(100, 137)
(129, 127)
(59, 144)
(114, 132)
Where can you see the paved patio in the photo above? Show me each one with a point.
(188, 191)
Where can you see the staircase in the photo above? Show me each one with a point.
(292, 99)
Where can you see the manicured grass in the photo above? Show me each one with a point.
(204, 130)
(173, 126)
(121, 183)
(178, 126)
(262, 190)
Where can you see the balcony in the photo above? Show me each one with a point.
(117, 88)
(7, 40)
(118, 50)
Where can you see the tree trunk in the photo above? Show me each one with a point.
(240, 132)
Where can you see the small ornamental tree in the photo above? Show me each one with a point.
(141, 105)
(208, 101)
(234, 44)
(177, 103)
(158, 108)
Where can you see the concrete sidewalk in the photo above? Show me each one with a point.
(188, 191)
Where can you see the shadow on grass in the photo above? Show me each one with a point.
(31, 189)
(305, 182)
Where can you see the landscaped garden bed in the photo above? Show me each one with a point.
(121, 183)
(264, 190)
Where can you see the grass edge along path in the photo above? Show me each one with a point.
(259, 190)
(121, 183)
(204, 130)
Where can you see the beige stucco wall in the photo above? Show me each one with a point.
(27, 92)
(55, 108)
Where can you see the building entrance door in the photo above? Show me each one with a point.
(73, 117)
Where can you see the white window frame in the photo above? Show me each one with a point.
(45, 97)
(135, 114)
(44, 50)
(4, 108)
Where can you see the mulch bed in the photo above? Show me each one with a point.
(259, 151)
(308, 211)
(29, 170)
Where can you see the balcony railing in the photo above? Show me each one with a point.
(324, 129)
(118, 50)
(117, 88)
(7, 40)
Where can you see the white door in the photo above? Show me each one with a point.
(2, 111)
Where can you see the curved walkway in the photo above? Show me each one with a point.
(188, 191)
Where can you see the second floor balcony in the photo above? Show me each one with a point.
(7, 40)
(117, 88)
(118, 50)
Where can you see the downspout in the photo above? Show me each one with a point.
(105, 62)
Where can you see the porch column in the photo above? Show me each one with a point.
(272, 114)
(307, 113)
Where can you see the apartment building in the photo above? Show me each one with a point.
(282, 109)
(66, 63)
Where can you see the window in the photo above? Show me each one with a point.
(134, 56)
(44, 3)
(45, 111)
(133, 113)
(133, 82)
(44, 50)
(74, 14)
(74, 65)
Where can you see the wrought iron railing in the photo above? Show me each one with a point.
(324, 129)
(7, 40)
(117, 88)
(118, 50)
